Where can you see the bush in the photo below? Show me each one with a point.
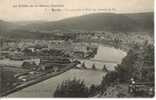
(72, 88)
(130, 66)
(93, 90)
(93, 67)
(109, 79)
(139, 64)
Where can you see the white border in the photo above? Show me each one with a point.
(97, 98)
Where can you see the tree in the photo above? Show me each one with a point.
(84, 65)
(108, 79)
(93, 90)
(149, 55)
(148, 68)
(130, 66)
(93, 67)
(72, 88)
(136, 62)
(105, 69)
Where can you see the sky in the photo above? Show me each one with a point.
(10, 10)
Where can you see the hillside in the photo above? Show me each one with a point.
(92, 22)
(101, 22)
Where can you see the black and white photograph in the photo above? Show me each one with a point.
(77, 49)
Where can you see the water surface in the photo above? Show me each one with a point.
(108, 56)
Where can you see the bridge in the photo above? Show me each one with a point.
(80, 68)
(93, 60)
(103, 61)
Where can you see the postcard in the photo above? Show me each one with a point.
(77, 49)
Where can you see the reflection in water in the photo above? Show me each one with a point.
(108, 56)
(47, 87)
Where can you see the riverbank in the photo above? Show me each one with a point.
(116, 91)
(143, 77)
(38, 79)
(122, 46)
(47, 88)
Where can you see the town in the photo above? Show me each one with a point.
(25, 62)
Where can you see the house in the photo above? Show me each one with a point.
(30, 65)
(53, 64)
(49, 67)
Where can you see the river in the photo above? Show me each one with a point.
(108, 56)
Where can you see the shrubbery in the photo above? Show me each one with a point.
(139, 64)
(136, 64)
(109, 79)
(75, 88)
(132, 66)
(72, 88)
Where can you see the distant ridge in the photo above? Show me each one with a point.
(91, 22)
